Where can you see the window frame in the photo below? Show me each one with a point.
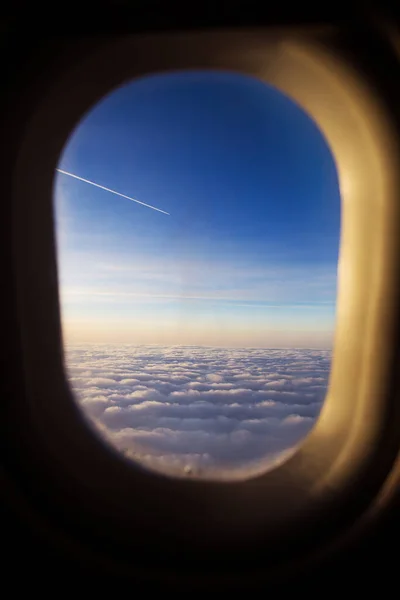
(341, 466)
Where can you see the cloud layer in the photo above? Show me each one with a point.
(195, 409)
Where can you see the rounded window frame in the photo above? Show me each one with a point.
(347, 449)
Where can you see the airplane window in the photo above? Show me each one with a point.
(198, 219)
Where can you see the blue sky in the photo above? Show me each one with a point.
(248, 254)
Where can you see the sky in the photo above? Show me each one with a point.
(247, 255)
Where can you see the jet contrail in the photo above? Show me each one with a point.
(112, 191)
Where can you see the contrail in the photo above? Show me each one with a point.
(112, 191)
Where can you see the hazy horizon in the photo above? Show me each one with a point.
(84, 342)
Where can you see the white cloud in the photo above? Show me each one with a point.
(102, 278)
(195, 408)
